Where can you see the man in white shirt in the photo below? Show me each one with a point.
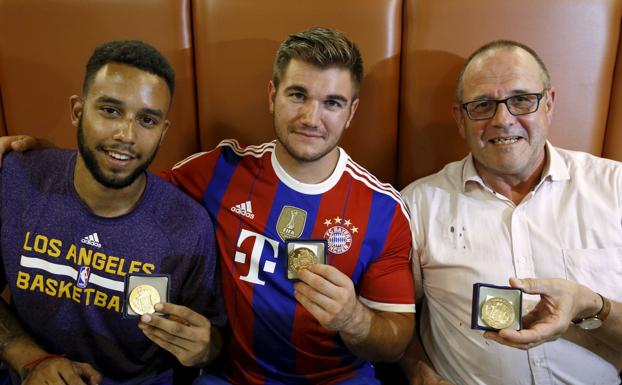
(516, 206)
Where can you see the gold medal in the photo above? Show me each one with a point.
(301, 258)
(497, 313)
(143, 298)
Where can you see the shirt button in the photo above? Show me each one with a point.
(522, 260)
(538, 362)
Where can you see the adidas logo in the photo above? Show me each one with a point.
(244, 209)
(92, 240)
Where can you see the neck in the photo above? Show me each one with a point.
(105, 201)
(513, 187)
(310, 172)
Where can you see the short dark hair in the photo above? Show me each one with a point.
(321, 47)
(501, 44)
(133, 53)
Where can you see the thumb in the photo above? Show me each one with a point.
(529, 285)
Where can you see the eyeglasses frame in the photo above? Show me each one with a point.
(539, 96)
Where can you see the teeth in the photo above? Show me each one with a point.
(510, 140)
(118, 156)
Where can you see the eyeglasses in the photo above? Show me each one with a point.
(522, 104)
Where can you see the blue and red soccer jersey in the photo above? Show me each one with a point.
(256, 206)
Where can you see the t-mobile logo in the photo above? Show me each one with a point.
(258, 245)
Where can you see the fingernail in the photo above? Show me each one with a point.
(146, 318)
(158, 306)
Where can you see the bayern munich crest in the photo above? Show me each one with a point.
(339, 234)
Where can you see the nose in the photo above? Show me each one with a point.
(125, 131)
(310, 114)
(502, 116)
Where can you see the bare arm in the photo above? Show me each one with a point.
(329, 296)
(18, 350)
(561, 302)
(417, 366)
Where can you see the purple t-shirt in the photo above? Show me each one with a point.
(66, 267)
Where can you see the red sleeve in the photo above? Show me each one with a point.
(193, 174)
(388, 283)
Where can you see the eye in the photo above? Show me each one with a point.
(333, 104)
(481, 105)
(148, 121)
(108, 110)
(297, 96)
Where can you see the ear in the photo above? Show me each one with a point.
(167, 123)
(459, 117)
(353, 107)
(550, 105)
(76, 105)
(271, 96)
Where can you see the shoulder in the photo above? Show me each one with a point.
(37, 164)
(577, 160)
(367, 180)
(230, 150)
(449, 178)
(174, 208)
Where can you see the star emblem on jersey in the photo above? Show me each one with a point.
(291, 222)
(339, 234)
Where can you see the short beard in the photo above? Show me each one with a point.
(298, 157)
(95, 170)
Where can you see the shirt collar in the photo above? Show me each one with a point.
(555, 169)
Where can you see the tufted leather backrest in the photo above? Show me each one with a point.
(45, 45)
(613, 137)
(577, 40)
(235, 44)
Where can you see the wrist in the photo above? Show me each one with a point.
(32, 365)
(356, 328)
(590, 304)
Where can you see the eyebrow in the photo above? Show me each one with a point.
(512, 93)
(117, 102)
(328, 97)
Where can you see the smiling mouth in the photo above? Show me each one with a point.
(119, 156)
(310, 135)
(508, 140)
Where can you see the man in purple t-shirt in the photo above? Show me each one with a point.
(76, 225)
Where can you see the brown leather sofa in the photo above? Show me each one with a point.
(222, 51)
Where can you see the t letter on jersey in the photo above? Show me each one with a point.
(253, 271)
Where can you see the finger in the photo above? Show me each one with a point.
(530, 285)
(70, 375)
(497, 338)
(188, 315)
(171, 331)
(319, 283)
(23, 143)
(331, 274)
(170, 345)
(316, 311)
(320, 299)
(88, 373)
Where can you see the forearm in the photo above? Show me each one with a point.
(16, 348)
(376, 335)
(414, 353)
(610, 333)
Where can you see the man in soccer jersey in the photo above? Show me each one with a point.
(76, 224)
(358, 305)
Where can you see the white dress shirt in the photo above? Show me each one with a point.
(569, 226)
